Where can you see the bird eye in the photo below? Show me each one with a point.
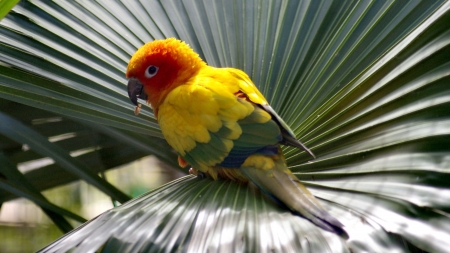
(151, 71)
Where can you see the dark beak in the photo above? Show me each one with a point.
(136, 90)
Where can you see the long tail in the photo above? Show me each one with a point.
(280, 183)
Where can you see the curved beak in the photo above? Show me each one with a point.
(136, 90)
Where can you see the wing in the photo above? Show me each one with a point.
(214, 120)
(252, 93)
(288, 136)
(208, 125)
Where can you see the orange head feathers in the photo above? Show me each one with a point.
(160, 66)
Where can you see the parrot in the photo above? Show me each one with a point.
(220, 124)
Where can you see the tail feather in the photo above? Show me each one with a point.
(281, 184)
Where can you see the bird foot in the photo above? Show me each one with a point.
(199, 174)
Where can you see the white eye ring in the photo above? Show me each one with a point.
(151, 71)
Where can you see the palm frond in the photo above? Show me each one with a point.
(364, 84)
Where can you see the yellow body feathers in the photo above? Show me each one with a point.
(193, 112)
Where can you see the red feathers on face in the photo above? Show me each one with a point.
(175, 61)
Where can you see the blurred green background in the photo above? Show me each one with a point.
(25, 228)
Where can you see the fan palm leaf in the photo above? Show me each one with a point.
(364, 84)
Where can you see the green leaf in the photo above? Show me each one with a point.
(22, 134)
(189, 215)
(22, 187)
(6, 6)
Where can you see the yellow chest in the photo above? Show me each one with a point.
(191, 112)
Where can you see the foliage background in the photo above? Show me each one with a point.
(362, 83)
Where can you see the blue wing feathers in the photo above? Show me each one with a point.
(237, 156)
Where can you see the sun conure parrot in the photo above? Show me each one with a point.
(219, 123)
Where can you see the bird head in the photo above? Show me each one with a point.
(158, 67)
